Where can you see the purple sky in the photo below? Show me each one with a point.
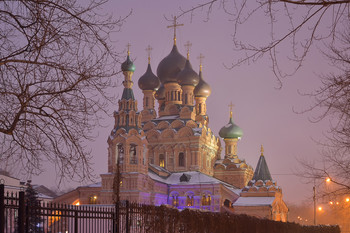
(263, 112)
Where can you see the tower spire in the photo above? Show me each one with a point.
(128, 46)
(262, 150)
(200, 61)
(188, 47)
(174, 25)
(231, 107)
(149, 49)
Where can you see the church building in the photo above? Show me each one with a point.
(170, 156)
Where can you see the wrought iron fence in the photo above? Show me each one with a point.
(17, 216)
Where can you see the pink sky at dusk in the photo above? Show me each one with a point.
(264, 112)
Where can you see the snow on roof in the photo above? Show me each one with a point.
(254, 201)
(164, 118)
(95, 185)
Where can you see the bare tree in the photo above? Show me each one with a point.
(300, 25)
(56, 63)
(333, 98)
(294, 23)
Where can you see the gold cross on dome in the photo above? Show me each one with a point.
(200, 61)
(175, 24)
(231, 107)
(188, 47)
(149, 49)
(262, 150)
(128, 46)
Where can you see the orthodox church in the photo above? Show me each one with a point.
(170, 156)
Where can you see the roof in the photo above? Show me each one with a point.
(254, 201)
(262, 170)
(44, 192)
(128, 94)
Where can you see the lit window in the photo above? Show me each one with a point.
(189, 200)
(206, 199)
(93, 200)
(161, 160)
(175, 201)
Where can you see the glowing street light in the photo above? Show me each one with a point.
(347, 199)
(320, 208)
(328, 179)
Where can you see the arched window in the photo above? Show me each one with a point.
(161, 160)
(93, 199)
(181, 159)
(206, 199)
(178, 96)
(189, 200)
(119, 153)
(175, 201)
(133, 157)
(185, 100)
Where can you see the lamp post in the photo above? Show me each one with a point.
(314, 197)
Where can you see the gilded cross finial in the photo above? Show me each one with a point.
(200, 61)
(175, 24)
(262, 150)
(188, 47)
(231, 107)
(149, 49)
(128, 46)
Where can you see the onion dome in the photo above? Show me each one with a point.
(149, 81)
(170, 66)
(202, 89)
(231, 130)
(188, 76)
(160, 94)
(128, 65)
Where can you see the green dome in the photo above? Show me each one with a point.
(231, 130)
(128, 65)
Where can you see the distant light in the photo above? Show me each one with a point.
(347, 199)
(328, 179)
(320, 208)
(78, 203)
(337, 203)
(95, 197)
(331, 202)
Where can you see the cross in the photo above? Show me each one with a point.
(128, 46)
(149, 49)
(200, 61)
(262, 150)
(231, 106)
(188, 46)
(174, 26)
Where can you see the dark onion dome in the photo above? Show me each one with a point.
(128, 65)
(160, 94)
(231, 130)
(148, 81)
(202, 89)
(170, 66)
(188, 76)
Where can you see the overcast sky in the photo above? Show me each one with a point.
(264, 112)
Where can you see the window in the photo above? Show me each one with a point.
(189, 200)
(206, 199)
(181, 159)
(178, 95)
(185, 98)
(93, 199)
(146, 101)
(175, 201)
(133, 157)
(120, 153)
(161, 160)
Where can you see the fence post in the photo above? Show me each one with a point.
(127, 223)
(21, 212)
(76, 221)
(116, 215)
(2, 208)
